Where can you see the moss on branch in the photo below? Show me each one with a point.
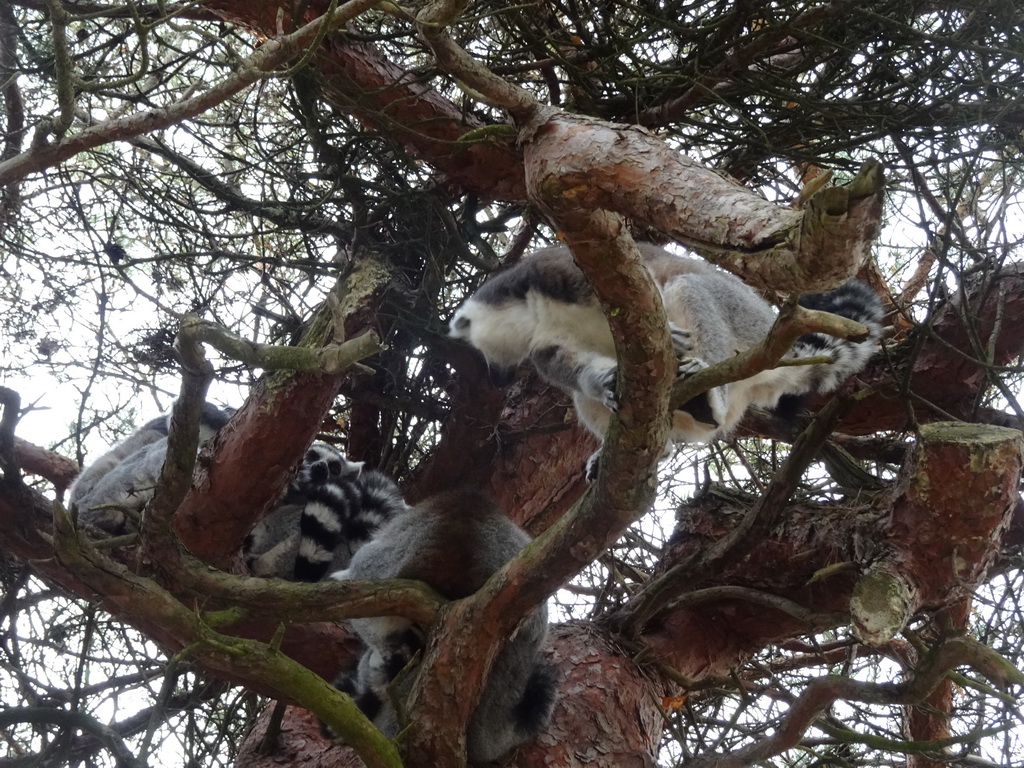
(331, 359)
(132, 596)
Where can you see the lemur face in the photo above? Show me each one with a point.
(502, 332)
(324, 462)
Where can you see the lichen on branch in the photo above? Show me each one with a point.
(332, 359)
(259, 664)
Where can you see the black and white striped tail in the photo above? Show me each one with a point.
(853, 300)
(343, 513)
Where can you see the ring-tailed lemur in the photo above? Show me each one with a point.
(454, 542)
(331, 508)
(150, 432)
(112, 490)
(543, 308)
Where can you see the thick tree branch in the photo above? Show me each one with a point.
(57, 469)
(752, 529)
(158, 542)
(934, 532)
(272, 54)
(932, 553)
(256, 454)
(572, 157)
(11, 403)
(259, 664)
(473, 629)
(821, 693)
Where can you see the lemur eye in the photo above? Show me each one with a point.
(311, 457)
(461, 323)
(334, 467)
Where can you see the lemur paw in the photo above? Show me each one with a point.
(682, 344)
(689, 366)
(606, 385)
(593, 464)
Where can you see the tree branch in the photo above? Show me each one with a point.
(762, 516)
(334, 358)
(175, 479)
(474, 628)
(57, 469)
(495, 90)
(572, 158)
(930, 553)
(254, 457)
(74, 721)
(259, 664)
(11, 402)
(822, 693)
(793, 321)
(260, 65)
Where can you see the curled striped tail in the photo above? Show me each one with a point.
(853, 300)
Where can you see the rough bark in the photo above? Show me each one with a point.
(937, 371)
(575, 162)
(59, 470)
(937, 532)
(607, 717)
(943, 521)
(359, 81)
(707, 636)
(523, 445)
(540, 474)
(929, 720)
(253, 459)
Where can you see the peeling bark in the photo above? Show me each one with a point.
(937, 530)
(359, 81)
(607, 716)
(580, 163)
(944, 521)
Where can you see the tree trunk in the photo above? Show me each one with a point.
(608, 715)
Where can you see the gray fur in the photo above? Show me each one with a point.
(454, 542)
(150, 432)
(112, 491)
(271, 546)
(536, 310)
(331, 509)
